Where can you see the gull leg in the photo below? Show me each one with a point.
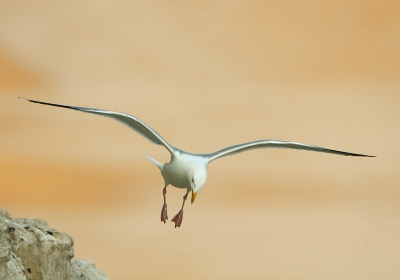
(164, 215)
(178, 217)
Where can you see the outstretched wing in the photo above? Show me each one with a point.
(128, 120)
(261, 144)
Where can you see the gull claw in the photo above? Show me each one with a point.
(178, 219)
(164, 215)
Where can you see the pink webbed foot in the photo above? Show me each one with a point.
(164, 215)
(178, 219)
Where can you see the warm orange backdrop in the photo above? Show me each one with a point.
(207, 74)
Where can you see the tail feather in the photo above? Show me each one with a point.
(159, 165)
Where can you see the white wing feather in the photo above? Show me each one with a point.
(260, 144)
(151, 135)
(128, 120)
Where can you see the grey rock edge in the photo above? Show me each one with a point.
(30, 249)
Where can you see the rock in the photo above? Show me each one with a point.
(30, 249)
(85, 270)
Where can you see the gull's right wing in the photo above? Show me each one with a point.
(128, 120)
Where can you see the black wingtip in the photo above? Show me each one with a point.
(360, 155)
(348, 154)
(30, 100)
(49, 104)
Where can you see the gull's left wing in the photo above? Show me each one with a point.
(260, 144)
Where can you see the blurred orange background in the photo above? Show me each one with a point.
(205, 75)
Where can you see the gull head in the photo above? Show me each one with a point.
(197, 179)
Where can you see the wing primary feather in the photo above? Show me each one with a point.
(151, 135)
(128, 120)
(261, 144)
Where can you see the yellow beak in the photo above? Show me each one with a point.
(193, 196)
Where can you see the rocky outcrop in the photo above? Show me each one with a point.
(30, 249)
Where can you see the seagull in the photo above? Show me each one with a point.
(186, 170)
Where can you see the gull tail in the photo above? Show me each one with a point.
(159, 165)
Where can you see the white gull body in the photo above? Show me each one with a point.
(185, 170)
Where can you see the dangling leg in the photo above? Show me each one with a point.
(164, 215)
(178, 217)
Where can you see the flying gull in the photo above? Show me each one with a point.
(186, 170)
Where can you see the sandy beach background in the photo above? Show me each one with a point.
(205, 75)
